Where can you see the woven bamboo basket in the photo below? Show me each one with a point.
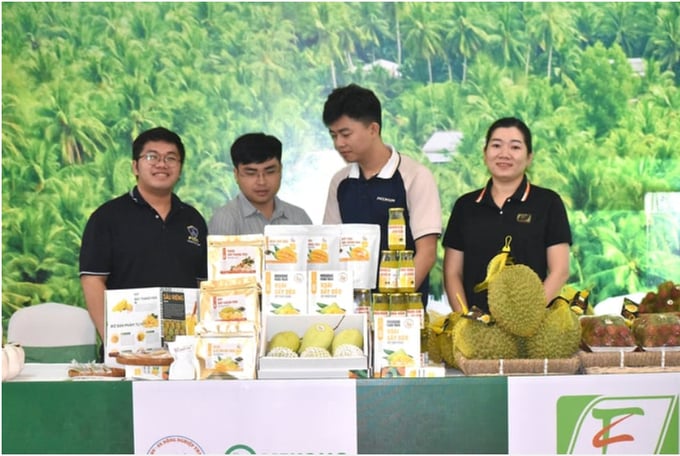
(559, 366)
(618, 362)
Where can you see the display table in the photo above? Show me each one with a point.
(488, 414)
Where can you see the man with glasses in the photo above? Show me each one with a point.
(257, 169)
(147, 237)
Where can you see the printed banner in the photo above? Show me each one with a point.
(245, 417)
(594, 414)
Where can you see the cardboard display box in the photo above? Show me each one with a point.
(140, 318)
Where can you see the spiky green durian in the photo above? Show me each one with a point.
(517, 300)
(477, 340)
(558, 336)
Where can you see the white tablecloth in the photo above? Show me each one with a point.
(43, 373)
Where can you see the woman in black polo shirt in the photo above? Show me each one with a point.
(509, 205)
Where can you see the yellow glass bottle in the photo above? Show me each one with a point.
(398, 305)
(407, 272)
(388, 272)
(362, 301)
(415, 307)
(396, 229)
(381, 305)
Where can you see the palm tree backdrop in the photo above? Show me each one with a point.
(81, 80)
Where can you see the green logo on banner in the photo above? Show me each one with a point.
(616, 425)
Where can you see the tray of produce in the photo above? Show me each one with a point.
(519, 335)
(607, 333)
(546, 366)
(657, 331)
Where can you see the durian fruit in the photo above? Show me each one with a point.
(287, 339)
(315, 352)
(446, 342)
(351, 336)
(435, 329)
(559, 335)
(477, 340)
(318, 335)
(517, 300)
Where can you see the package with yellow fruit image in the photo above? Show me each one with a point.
(145, 318)
(132, 321)
(230, 300)
(330, 292)
(360, 252)
(396, 345)
(235, 256)
(284, 292)
(227, 357)
(285, 247)
(323, 247)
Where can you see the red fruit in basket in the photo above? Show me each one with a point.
(667, 306)
(672, 341)
(675, 292)
(664, 290)
(675, 329)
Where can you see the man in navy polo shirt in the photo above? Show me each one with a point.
(147, 237)
(379, 178)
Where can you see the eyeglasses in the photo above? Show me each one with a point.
(254, 174)
(154, 159)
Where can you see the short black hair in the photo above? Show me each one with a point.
(355, 102)
(508, 122)
(255, 148)
(157, 134)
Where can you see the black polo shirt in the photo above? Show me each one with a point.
(535, 217)
(126, 240)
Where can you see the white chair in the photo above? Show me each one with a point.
(54, 333)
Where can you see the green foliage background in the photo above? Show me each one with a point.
(81, 80)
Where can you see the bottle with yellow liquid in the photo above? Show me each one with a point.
(415, 308)
(398, 305)
(396, 229)
(407, 272)
(381, 305)
(388, 272)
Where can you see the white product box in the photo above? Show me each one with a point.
(330, 292)
(284, 292)
(274, 367)
(396, 342)
(137, 318)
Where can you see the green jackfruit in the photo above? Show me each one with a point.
(476, 340)
(517, 300)
(559, 335)
(318, 335)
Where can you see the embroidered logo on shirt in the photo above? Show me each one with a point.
(523, 218)
(385, 199)
(193, 235)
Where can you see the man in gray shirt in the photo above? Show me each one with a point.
(257, 169)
